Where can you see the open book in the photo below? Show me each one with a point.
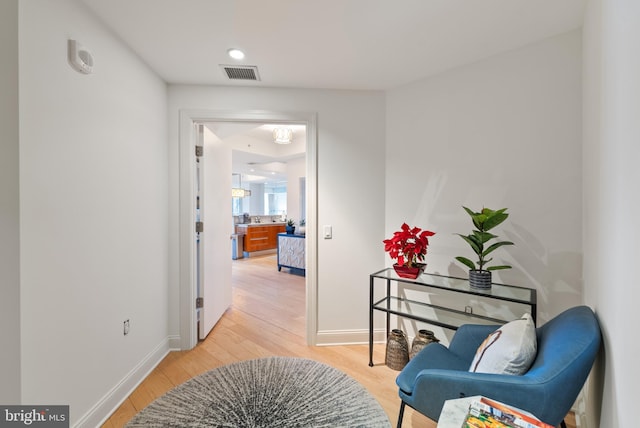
(487, 413)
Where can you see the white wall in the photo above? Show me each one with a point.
(93, 202)
(256, 201)
(611, 205)
(502, 132)
(350, 189)
(9, 206)
(296, 169)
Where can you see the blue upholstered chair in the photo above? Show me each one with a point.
(567, 347)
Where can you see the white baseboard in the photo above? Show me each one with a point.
(174, 343)
(348, 337)
(101, 411)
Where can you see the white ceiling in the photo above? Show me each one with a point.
(337, 44)
(255, 155)
(340, 44)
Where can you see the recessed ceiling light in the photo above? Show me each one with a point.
(235, 53)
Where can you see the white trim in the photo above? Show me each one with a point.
(187, 292)
(104, 408)
(311, 233)
(174, 343)
(349, 337)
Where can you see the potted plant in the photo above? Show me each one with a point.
(290, 228)
(484, 221)
(408, 247)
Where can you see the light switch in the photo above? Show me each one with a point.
(326, 232)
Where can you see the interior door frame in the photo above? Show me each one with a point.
(187, 251)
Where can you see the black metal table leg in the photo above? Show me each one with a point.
(371, 321)
(388, 307)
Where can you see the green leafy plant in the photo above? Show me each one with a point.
(484, 221)
(291, 223)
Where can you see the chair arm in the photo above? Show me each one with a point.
(434, 386)
(468, 338)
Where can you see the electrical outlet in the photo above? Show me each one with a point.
(126, 327)
(468, 309)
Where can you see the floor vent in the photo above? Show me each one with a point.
(234, 72)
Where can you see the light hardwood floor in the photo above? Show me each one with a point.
(267, 317)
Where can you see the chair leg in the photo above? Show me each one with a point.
(402, 404)
(562, 424)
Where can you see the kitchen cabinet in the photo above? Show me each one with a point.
(260, 236)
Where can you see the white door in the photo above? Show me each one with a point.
(213, 243)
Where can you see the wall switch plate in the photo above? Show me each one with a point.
(326, 232)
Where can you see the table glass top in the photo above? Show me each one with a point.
(499, 291)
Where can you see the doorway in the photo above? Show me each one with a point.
(268, 188)
(187, 139)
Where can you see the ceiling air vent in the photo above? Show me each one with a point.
(245, 72)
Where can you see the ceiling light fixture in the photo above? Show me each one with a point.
(235, 53)
(282, 135)
(239, 192)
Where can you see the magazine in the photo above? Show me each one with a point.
(486, 413)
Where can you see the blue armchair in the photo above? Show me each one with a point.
(567, 347)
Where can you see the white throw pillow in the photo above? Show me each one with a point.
(509, 350)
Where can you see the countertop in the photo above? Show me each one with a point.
(266, 223)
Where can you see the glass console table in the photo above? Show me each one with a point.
(438, 315)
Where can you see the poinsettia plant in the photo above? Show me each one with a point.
(408, 245)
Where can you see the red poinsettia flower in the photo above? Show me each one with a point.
(408, 245)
